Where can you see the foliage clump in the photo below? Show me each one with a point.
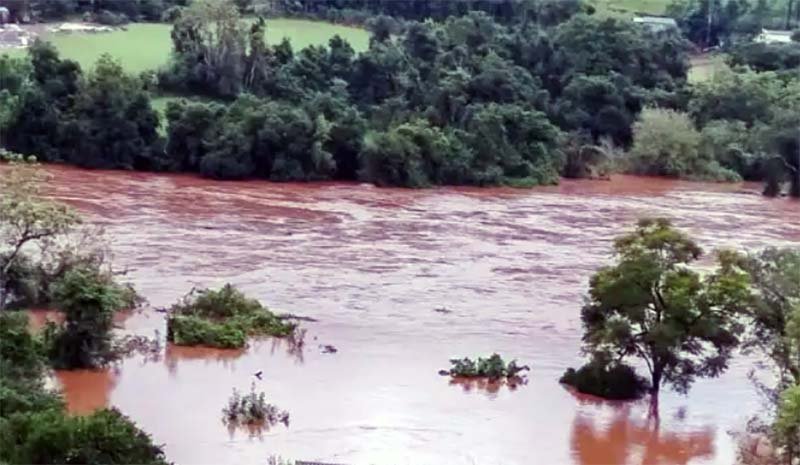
(665, 143)
(89, 298)
(222, 318)
(493, 367)
(787, 424)
(253, 409)
(615, 381)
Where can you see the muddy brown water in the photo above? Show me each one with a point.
(371, 265)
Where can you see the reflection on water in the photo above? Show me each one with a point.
(87, 390)
(174, 354)
(609, 432)
(489, 386)
(372, 265)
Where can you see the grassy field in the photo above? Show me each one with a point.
(630, 7)
(147, 46)
(704, 67)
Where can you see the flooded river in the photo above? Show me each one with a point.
(372, 265)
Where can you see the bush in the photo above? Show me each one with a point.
(222, 318)
(50, 437)
(89, 298)
(252, 409)
(20, 353)
(665, 143)
(224, 303)
(616, 381)
(21, 368)
(25, 395)
(493, 367)
(194, 330)
(787, 424)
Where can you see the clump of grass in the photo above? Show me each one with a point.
(253, 409)
(493, 367)
(222, 318)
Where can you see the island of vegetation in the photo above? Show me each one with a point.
(222, 318)
(492, 368)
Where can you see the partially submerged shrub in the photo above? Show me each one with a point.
(253, 409)
(616, 381)
(194, 330)
(222, 318)
(89, 298)
(493, 367)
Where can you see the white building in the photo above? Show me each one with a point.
(769, 36)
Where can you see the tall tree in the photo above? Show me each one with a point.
(651, 306)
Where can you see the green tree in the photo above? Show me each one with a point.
(665, 143)
(651, 306)
(775, 309)
(191, 126)
(512, 145)
(89, 298)
(787, 424)
(106, 437)
(597, 105)
(414, 154)
(27, 220)
(113, 124)
(209, 45)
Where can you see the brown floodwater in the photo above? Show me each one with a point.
(372, 265)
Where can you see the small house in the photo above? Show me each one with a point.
(771, 36)
(656, 23)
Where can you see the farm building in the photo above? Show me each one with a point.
(656, 23)
(769, 36)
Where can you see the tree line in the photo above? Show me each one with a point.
(467, 100)
(104, 11)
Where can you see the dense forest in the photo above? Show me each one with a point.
(467, 100)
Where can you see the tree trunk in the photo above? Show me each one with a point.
(658, 372)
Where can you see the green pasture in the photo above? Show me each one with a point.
(145, 46)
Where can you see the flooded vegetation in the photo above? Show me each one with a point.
(371, 267)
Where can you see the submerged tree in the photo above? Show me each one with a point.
(650, 305)
(89, 298)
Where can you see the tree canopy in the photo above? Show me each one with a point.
(652, 306)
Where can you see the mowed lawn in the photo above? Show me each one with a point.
(147, 46)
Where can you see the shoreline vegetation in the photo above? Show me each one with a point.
(473, 99)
